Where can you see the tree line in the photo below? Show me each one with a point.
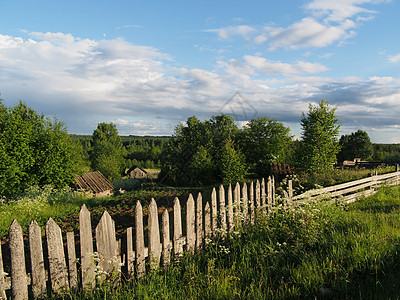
(37, 150)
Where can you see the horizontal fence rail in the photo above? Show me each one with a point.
(61, 263)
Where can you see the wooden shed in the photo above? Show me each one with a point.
(136, 172)
(96, 183)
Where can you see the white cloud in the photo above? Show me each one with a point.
(394, 58)
(242, 30)
(272, 67)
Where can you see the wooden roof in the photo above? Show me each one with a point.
(134, 167)
(94, 181)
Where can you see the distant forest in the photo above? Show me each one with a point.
(145, 151)
(142, 151)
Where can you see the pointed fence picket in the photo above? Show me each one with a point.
(58, 269)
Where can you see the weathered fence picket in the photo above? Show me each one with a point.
(103, 257)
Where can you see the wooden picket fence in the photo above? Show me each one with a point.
(58, 264)
(52, 262)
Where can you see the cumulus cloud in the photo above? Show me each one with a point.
(85, 81)
(394, 58)
(241, 30)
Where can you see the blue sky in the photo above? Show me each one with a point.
(148, 65)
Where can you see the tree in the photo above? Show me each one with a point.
(264, 141)
(106, 151)
(319, 145)
(355, 145)
(35, 150)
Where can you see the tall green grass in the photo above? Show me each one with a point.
(332, 252)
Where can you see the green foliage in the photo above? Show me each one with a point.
(202, 153)
(264, 141)
(355, 145)
(106, 151)
(35, 150)
(319, 145)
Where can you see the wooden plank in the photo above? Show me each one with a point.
(245, 202)
(231, 216)
(2, 277)
(139, 241)
(19, 288)
(130, 254)
(258, 195)
(237, 204)
(73, 271)
(269, 194)
(222, 208)
(87, 254)
(214, 211)
(38, 274)
(207, 221)
(154, 236)
(199, 221)
(263, 193)
(178, 245)
(190, 225)
(106, 244)
(251, 201)
(166, 242)
(57, 265)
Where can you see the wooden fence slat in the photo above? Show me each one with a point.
(166, 242)
(269, 194)
(2, 277)
(222, 208)
(19, 286)
(263, 193)
(207, 221)
(87, 254)
(130, 254)
(154, 236)
(190, 225)
(73, 271)
(245, 202)
(231, 216)
(139, 241)
(251, 200)
(57, 264)
(38, 274)
(237, 203)
(199, 221)
(258, 195)
(214, 211)
(178, 239)
(106, 244)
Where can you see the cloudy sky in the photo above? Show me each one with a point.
(148, 65)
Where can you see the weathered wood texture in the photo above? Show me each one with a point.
(220, 214)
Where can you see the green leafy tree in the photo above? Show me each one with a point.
(355, 145)
(264, 141)
(319, 145)
(106, 151)
(233, 163)
(35, 150)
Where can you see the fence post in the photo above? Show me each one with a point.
(245, 202)
(222, 208)
(87, 255)
(269, 194)
(57, 265)
(37, 261)
(230, 209)
(214, 211)
(154, 236)
(178, 240)
(19, 287)
(73, 272)
(199, 221)
(130, 254)
(290, 191)
(236, 198)
(166, 242)
(258, 196)
(252, 207)
(190, 225)
(263, 193)
(207, 221)
(139, 241)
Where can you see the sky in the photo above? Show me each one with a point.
(149, 65)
